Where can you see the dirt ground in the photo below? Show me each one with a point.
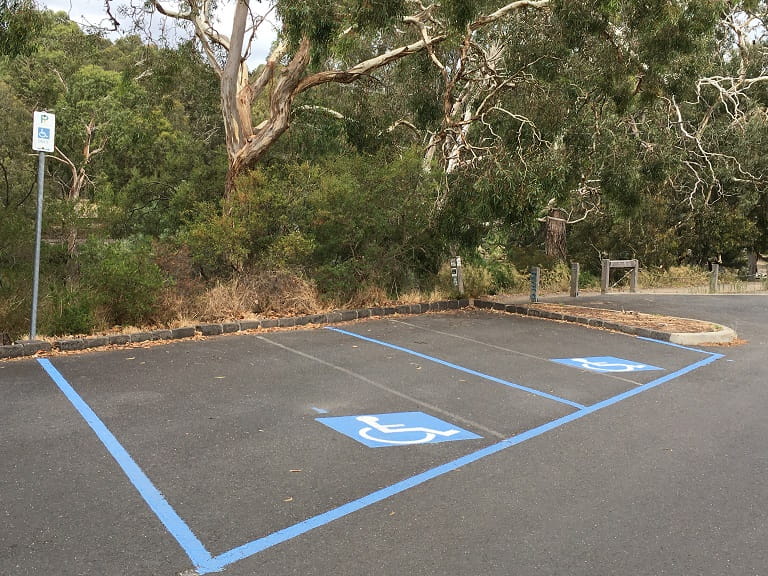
(636, 319)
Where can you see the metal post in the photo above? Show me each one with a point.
(535, 273)
(38, 236)
(574, 279)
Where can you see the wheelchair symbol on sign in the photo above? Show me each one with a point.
(385, 432)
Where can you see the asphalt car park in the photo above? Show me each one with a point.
(467, 442)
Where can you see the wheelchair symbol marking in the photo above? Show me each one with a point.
(398, 429)
(385, 429)
(605, 364)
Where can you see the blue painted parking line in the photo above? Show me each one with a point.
(152, 496)
(205, 563)
(459, 368)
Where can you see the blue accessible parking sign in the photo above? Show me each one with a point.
(605, 364)
(398, 429)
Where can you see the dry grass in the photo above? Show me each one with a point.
(235, 298)
(365, 296)
(674, 277)
(249, 294)
(265, 293)
(414, 297)
(282, 292)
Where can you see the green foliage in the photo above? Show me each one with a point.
(15, 275)
(477, 280)
(17, 172)
(350, 222)
(218, 243)
(321, 21)
(122, 277)
(262, 219)
(425, 107)
(20, 22)
(487, 270)
(291, 251)
(555, 278)
(583, 118)
(371, 224)
(68, 310)
(317, 20)
(17, 214)
(460, 12)
(377, 13)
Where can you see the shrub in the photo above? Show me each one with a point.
(339, 281)
(122, 277)
(218, 242)
(292, 250)
(506, 277)
(556, 278)
(674, 276)
(478, 280)
(68, 311)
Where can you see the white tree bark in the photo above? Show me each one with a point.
(246, 143)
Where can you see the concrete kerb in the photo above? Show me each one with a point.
(39, 347)
(723, 335)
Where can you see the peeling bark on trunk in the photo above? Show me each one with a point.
(248, 149)
(555, 235)
(247, 144)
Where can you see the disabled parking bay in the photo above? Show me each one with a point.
(453, 443)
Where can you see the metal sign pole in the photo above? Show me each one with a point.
(43, 137)
(38, 236)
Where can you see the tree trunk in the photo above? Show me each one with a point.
(245, 146)
(555, 239)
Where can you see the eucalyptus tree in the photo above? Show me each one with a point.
(720, 128)
(686, 173)
(312, 50)
(540, 93)
(552, 103)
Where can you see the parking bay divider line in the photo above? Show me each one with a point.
(430, 407)
(493, 346)
(205, 563)
(460, 368)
